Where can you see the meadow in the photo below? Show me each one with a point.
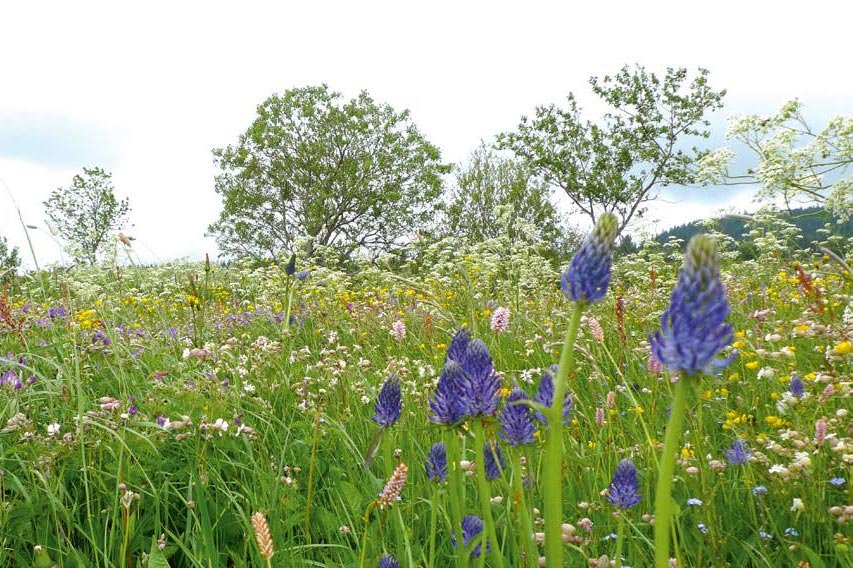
(207, 415)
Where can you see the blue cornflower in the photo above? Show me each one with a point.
(796, 387)
(388, 561)
(389, 403)
(694, 329)
(516, 420)
(739, 453)
(588, 275)
(545, 397)
(448, 405)
(791, 531)
(493, 460)
(694, 502)
(623, 489)
(481, 385)
(759, 490)
(765, 535)
(837, 481)
(436, 463)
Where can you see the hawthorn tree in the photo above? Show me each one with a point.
(352, 175)
(620, 163)
(85, 213)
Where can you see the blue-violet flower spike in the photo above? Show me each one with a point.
(389, 403)
(436, 463)
(588, 275)
(516, 420)
(623, 489)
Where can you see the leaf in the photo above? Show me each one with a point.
(156, 558)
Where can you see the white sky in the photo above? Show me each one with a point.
(146, 90)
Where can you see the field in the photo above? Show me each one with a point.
(147, 413)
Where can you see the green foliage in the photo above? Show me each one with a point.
(794, 163)
(354, 175)
(494, 196)
(622, 162)
(85, 213)
(10, 261)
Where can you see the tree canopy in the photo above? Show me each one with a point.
(353, 175)
(621, 162)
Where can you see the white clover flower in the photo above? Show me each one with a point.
(53, 429)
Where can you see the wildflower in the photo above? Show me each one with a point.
(391, 492)
(389, 403)
(398, 330)
(481, 384)
(458, 345)
(493, 460)
(472, 526)
(702, 528)
(302, 275)
(436, 463)
(599, 416)
(694, 502)
(837, 481)
(821, 426)
(516, 420)
(596, 330)
(693, 329)
(447, 405)
(388, 561)
(545, 397)
(797, 505)
(827, 393)
(765, 535)
(792, 532)
(500, 320)
(843, 348)
(739, 452)
(290, 267)
(796, 386)
(53, 429)
(653, 365)
(759, 490)
(588, 275)
(623, 489)
(262, 535)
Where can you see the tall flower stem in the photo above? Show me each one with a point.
(288, 304)
(457, 496)
(553, 476)
(620, 538)
(526, 526)
(486, 500)
(663, 493)
(433, 525)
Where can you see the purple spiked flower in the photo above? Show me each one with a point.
(588, 275)
(493, 460)
(389, 403)
(739, 452)
(436, 463)
(472, 526)
(458, 345)
(388, 561)
(481, 385)
(623, 489)
(447, 404)
(516, 420)
(545, 397)
(796, 387)
(694, 329)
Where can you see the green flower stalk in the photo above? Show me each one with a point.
(585, 281)
(693, 332)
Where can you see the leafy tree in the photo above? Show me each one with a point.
(353, 175)
(795, 163)
(490, 186)
(86, 212)
(622, 162)
(10, 261)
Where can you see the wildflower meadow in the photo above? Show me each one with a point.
(464, 405)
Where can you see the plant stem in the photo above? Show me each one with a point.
(553, 477)
(663, 493)
(311, 477)
(457, 500)
(486, 498)
(526, 527)
(432, 524)
(620, 537)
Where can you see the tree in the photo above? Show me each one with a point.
(490, 186)
(84, 213)
(353, 175)
(795, 163)
(10, 261)
(622, 162)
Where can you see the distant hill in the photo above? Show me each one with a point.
(809, 220)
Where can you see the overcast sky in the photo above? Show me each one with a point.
(146, 90)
